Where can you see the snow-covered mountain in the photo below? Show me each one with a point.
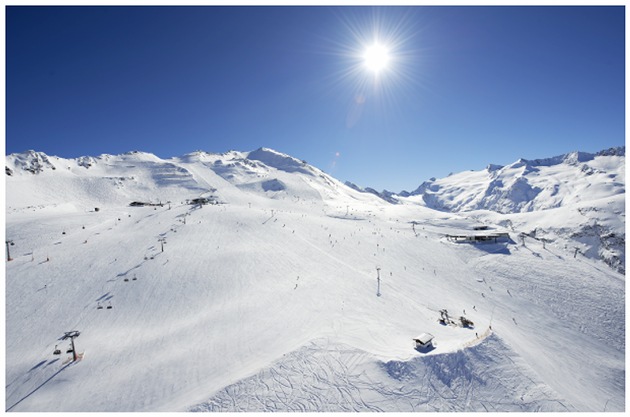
(252, 281)
(576, 199)
(529, 185)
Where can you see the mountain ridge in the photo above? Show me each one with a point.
(571, 158)
(574, 181)
(35, 161)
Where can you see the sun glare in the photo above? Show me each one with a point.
(376, 58)
(379, 59)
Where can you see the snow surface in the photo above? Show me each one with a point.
(268, 300)
(576, 200)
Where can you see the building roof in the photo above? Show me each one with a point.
(424, 338)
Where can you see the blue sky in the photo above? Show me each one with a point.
(464, 86)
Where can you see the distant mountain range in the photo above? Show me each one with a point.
(525, 185)
(591, 184)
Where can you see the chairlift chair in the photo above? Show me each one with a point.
(56, 351)
(69, 350)
(109, 306)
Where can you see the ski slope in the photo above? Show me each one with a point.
(575, 200)
(268, 300)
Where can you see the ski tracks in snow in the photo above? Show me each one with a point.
(338, 378)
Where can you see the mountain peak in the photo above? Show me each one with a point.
(31, 161)
(280, 161)
(616, 151)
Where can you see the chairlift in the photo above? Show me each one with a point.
(134, 278)
(126, 280)
(99, 307)
(69, 350)
(109, 306)
(56, 351)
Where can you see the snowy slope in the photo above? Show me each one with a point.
(268, 300)
(530, 185)
(576, 200)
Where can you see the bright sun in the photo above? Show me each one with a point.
(376, 57)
